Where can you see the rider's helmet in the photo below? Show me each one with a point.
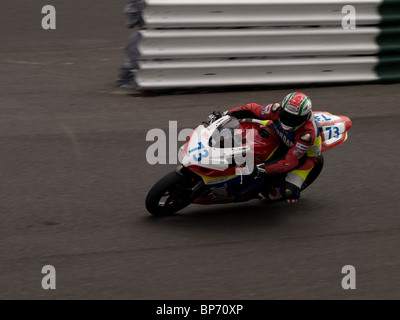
(295, 111)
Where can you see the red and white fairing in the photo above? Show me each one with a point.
(333, 129)
(197, 154)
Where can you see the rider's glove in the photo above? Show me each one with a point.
(261, 168)
(214, 116)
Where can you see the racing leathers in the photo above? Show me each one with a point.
(301, 147)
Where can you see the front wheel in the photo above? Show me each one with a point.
(169, 195)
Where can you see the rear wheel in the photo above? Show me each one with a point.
(169, 195)
(314, 173)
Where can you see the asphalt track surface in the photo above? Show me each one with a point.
(74, 177)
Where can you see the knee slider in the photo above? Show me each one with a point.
(291, 191)
(288, 193)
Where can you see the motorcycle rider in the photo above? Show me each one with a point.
(299, 154)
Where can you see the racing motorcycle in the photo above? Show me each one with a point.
(219, 162)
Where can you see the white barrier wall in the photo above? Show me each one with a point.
(250, 13)
(212, 73)
(252, 42)
(206, 43)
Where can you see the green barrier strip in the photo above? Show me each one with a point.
(389, 10)
(388, 40)
(388, 68)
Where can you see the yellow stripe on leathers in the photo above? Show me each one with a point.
(317, 143)
(302, 173)
(310, 153)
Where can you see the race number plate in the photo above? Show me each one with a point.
(333, 128)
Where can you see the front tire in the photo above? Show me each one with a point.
(169, 195)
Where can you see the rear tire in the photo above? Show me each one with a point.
(169, 195)
(314, 172)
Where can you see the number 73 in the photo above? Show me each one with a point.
(335, 131)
